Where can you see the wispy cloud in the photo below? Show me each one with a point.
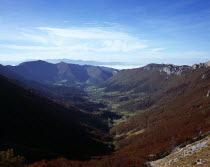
(87, 33)
(95, 39)
(34, 38)
(19, 47)
(87, 43)
(157, 49)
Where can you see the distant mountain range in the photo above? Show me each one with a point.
(116, 65)
(62, 73)
(82, 62)
(79, 62)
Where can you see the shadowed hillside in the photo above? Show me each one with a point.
(37, 127)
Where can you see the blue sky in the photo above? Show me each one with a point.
(140, 31)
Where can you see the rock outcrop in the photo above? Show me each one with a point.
(185, 156)
(208, 93)
(195, 66)
(171, 69)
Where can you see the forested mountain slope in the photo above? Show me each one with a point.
(38, 127)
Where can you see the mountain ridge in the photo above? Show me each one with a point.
(62, 73)
(175, 69)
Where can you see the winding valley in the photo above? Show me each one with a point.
(104, 116)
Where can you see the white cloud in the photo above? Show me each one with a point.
(157, 49)
(87, 40)
(96, 43)
(87, 33)
(123, 46)
(34, 38)
(19, 47)
(96, 39)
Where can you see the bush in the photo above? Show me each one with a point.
(7, 159)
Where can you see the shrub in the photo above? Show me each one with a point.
(7, 159)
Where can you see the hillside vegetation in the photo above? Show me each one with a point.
(145, 112)
(38, 127)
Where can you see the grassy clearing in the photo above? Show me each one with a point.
(125, 117)
(100, 95)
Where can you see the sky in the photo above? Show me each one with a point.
(134, 31)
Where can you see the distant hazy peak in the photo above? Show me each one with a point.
(36, 62)
(62, 63)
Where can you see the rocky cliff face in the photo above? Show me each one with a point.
(195, 66)
(170, 69)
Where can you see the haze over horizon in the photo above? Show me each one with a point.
(138, 32)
